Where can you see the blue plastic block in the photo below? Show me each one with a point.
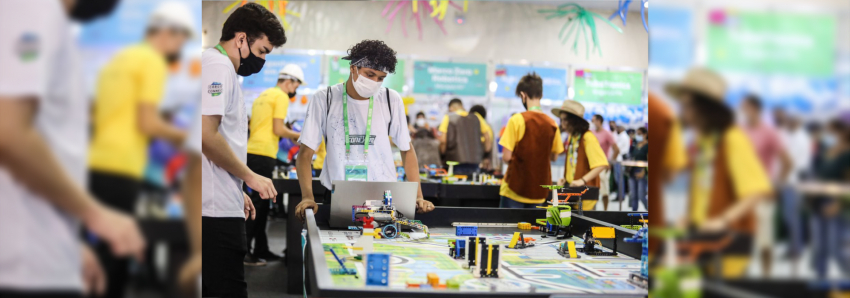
(460, 246)
(377, 269)
(466, 231)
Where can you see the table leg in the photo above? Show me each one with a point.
(294, 256)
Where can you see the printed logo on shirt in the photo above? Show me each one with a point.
(27, 47)
(360, 139)
(214, 89)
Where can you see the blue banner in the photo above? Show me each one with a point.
(671, 37)
(802, 95)
(554, 80)
(267, 77)
(127, 23)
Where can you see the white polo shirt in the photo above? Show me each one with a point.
(320, 123)
(222, 95)
(39, 244)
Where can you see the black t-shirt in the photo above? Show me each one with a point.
(836, 169)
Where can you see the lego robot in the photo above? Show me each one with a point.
(387, 220)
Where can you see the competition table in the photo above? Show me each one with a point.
(583, 280)
(441, 194)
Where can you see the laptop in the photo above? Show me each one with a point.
(349, 193)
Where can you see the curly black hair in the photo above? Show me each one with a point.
(255, 20)
(376, 51)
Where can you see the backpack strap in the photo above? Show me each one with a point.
(390, 107)
(328, 112)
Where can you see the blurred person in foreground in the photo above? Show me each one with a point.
(828, 226)
(486, 162)
(530, 143)
(770, 149)
(585, 158)
(43, 148)
(799, 145)
(464, 138)
(126, 118)
(610, 148)
(638, 180)
(248, 35)
(352, 118)
(727, 178)
(267, 126)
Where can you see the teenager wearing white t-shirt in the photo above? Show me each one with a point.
(43, 146)
(363, 158)
(248, 34)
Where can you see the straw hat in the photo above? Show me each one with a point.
(699, 80)
(572, 107)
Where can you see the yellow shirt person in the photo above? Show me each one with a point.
(514, 132)
(485, 129)
(136, 75)
(271, 104)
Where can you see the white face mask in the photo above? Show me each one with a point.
(366, 87)
(420, 122)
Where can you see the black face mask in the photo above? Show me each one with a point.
(173, 57)
(250, 65)
(525, 104)
(291, 95)
(87, 10)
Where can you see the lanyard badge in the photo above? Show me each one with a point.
(356, 170)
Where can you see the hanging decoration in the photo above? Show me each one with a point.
(281, 11)
(623, 9)
(579, 20)
(435, 10)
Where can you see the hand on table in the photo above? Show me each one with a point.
(562, 182)
(250, 211)
(118, 230)
(714, 225)
(263, 186)
(306, 202)
(94, 280)
(423, 206)
(577, 183)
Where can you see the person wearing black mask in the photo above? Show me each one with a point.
(248, 34)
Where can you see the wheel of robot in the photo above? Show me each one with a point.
(389, 231)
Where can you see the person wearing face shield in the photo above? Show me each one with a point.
(356, 119)
(267, 126)
(248, 34)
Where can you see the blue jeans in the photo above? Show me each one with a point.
(637, 192)
(790, 201)
(507, 202)
(618, 177)
(827, 241)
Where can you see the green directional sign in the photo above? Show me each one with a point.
(608, 86)
(771, 42)
(450, 78)
(338, 72)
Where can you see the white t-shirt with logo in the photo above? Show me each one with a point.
(39, 243)
(222, 95)
(320, 123)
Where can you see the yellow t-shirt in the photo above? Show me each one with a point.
(271, 104)
(514, 132)
(319, 162)
(595, 156)
(675, 157)
(485, 129)
(746, 172)
(135, 75)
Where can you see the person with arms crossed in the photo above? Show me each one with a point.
(585, 158)
(356, 120)
(531, 141)
(248, 34)
(267, 127)
(43, 149)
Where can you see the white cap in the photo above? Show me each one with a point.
(173, 14)
(292, 70)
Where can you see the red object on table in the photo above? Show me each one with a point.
(367, 222)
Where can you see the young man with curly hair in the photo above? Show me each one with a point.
(248, 34)
(356, 119)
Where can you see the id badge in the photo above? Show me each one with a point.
(356, 170)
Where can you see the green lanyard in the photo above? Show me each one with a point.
(367, 138)
(534, 109)
(220, 49)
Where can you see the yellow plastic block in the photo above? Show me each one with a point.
(571, 246)
(603, 232)
(433, 279)
(489, 258)
(514, 240)
(524, 226)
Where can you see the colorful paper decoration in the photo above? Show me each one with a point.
(623, 9)
(270, 4)
(435, 10)
(580, 18)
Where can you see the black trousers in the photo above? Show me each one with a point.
(121, 193)
(39, 294)
(224, 246)
(256, 229)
